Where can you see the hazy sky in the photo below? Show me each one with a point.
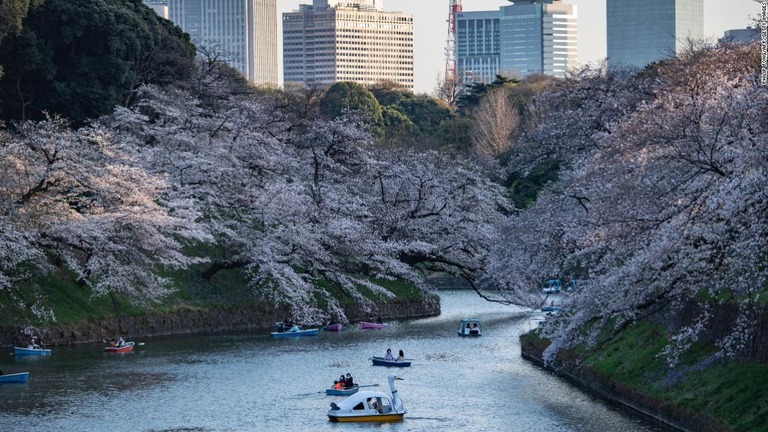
(430, 28)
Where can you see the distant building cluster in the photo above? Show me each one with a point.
(357, 40)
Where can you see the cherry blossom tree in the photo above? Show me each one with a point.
(661, 204)
(301, 204)
(74, 194)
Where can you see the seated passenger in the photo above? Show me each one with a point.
(388, 356)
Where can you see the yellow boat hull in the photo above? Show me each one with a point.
(368, 418)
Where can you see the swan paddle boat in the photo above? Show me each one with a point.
(370, 406)
(295, 331)
(31, 350)
(364, 325)
(470, 327)
(382, 361)
(20, 377)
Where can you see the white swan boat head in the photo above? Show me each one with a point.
(370, 406)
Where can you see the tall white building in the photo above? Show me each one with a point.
(159, 6)
(641, 32)
(526, 37)
(347, 40)
(242, 32)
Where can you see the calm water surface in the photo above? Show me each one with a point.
(254, 383)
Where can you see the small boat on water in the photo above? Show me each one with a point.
(295, 331)
(334, 327)
(342, 392)
(124, 348)
(31, 350)
(364, 325)
(381, 361)
(470, 327)
(551, 308)
(551, 286)
(370, 406)
(20, 377)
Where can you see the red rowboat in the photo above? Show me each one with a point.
(127, 347)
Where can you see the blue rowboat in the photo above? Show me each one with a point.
(295, 333)
(36, 350)
(381, 361)
(344, 392)
(20, 377)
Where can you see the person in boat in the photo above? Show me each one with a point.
(348, 381)
(388, 356)
(400, 356)
(337, 385)
(379, 321)
(33, 343)
(119, 343)
(474, 329)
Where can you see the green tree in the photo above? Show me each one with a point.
(454, 134)
(398, 128)
(470, 99)
(81, 58)
(425, 112)
(346, 96)
(12, 12)
(390, 93)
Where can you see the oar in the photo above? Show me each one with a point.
(368, 385)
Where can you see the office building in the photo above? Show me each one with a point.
(241, 32)
(478, 50)
(741, 36)
(526, 37)
(641, 32)
(347, 40)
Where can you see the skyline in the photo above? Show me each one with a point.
(431, 31)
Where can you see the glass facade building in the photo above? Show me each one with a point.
(242, 32)
(478, 45)
(527, 37)
(641, 32)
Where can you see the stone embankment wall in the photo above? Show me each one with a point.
(191, 320)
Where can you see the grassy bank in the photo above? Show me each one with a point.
(732, 393)
(228, 289)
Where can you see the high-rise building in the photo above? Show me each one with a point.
(478, 51)
(241, 32)
(526, 37)
(641, 32)
(347, 40)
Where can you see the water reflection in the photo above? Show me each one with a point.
(251, 382)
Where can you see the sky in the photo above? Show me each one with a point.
(430, 28)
